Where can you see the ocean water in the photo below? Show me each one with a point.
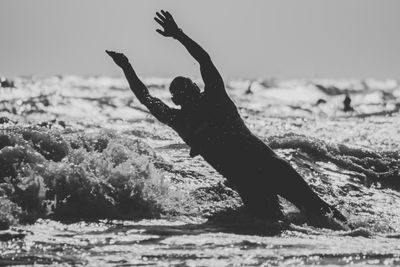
(89, 177)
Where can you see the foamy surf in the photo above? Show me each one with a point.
(89, 177)
(77, 175)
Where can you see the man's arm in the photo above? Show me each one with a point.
(159, 109)
(209, 72)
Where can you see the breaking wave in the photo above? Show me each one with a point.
(376, 166)
(79, 175)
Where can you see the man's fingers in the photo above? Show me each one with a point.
(161, 17)
(169, 15)
(110, 53)
(115, 55)
(159, 21)
(165, 14)
(161, 32)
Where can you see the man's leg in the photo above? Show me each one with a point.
(260, 203)
(290, 185)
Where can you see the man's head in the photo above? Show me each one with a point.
(184, 91)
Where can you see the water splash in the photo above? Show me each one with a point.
(80, 175)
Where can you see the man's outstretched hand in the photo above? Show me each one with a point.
(165, 19)
(120, 59)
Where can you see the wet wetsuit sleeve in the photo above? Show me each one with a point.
(214, 84)
(157, 108)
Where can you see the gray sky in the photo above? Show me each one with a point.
(250, 39)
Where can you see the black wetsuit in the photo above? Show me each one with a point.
(215, 130)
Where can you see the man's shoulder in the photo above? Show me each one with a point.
(218, 100)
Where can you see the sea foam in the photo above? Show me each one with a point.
(79, 175)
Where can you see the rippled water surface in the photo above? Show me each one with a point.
(89, 177)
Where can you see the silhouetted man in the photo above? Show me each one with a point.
(211, 125)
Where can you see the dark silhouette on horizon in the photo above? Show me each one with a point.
(347, 103)
(249, 91)
(210, 124)
(6, 83)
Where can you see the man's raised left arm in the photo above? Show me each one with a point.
(157, 108)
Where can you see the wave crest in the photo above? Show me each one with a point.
(376, 166)
(79, 175)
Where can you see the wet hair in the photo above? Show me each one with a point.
(183, 84)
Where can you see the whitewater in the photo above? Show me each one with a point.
(89, 177)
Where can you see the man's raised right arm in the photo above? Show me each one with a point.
(156, 107)
(209, 72)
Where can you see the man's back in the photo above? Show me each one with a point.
(209, 124)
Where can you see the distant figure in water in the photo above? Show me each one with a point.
(210, 124)
(6, 83)
(249, 91)
(347, 103)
